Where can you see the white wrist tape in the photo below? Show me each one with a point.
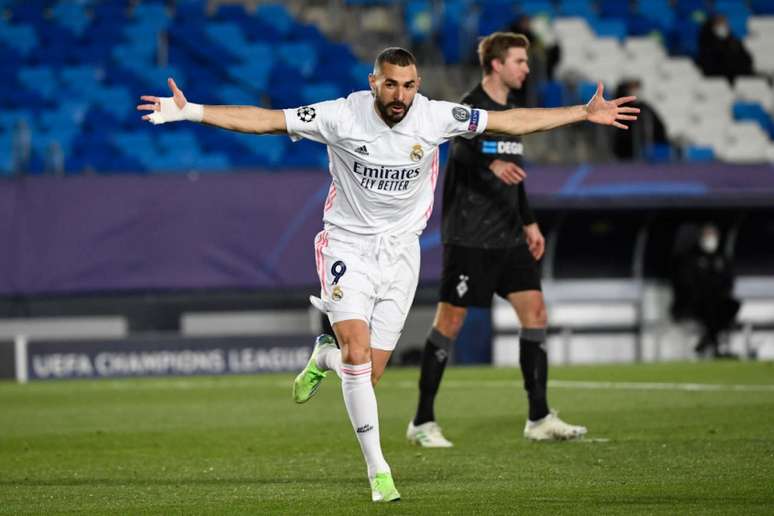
(169, 112)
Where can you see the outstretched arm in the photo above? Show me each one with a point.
(244, 119)
(597, 110)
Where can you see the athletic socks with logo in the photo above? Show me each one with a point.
(434, 359)
(533, 360)
(360, 401)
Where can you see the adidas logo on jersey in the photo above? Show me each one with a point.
(362, 150)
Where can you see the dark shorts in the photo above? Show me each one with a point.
(471, 276)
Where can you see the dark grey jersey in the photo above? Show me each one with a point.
(479, 210)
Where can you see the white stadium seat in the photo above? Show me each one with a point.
(744, 142)
(761, 26)
(679, 68)
(714, 90)
(572, 32)
(644, 49)
(754, 89)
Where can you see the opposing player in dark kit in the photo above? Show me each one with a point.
(492, 244)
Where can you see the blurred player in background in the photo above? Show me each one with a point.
(383, 149)
(492, 244)
(703, 289)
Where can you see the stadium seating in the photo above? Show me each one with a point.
(99, 55)
(78, 68)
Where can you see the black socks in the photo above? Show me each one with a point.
(534, 368)
(434, 358)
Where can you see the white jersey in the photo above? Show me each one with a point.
(383, 177)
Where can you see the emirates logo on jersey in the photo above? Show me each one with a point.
(385, 179)
(416, 153)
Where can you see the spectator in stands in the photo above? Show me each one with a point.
(633, 144)
(703, 284)
(721, 54)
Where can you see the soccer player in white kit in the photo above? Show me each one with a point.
(383, 152)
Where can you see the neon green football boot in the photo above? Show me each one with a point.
(308, 381)
(383, 488)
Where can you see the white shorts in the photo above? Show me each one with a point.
(372, 278)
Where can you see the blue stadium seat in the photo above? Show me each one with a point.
(762, 6)
(358, 75)
(369, 2)
(151, 15)
(233, 13)
(255, 73)
(285, 88)
(133, 142)
(754, 111)
(686, 8)
(658, 153)
(552, 94)
(269, 150)
(215, 162)
(173, 140)
(233, 94)
(420, 20)
(6, 154)
(80, 78)
(22, 38)
(614, 9)
(116, 100)
(230, 36)
(698, 153)
(495, 15)
(684, 39)
(40, 79)
(301, 55)
(580, 8)
(276, 16)
(639, 25)
(586, 90)
(660, 12)
(318, 92)
(537, 8)
(72, 16)
(607, 28)
(306, 154)
(27, 12)
(451, 28)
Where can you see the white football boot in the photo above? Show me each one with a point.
(551, 428)
(427, 435)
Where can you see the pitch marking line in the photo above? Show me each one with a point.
(644, 386)
(224, 382)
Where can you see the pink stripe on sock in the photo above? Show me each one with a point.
(353, 372)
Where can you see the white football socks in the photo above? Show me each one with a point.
(360, 400)
(329, 358)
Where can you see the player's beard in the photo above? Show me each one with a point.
(384, 110)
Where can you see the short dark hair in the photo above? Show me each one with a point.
(395, 56)
(496, 46)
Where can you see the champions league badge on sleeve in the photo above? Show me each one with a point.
(473, 125)
(416, 153)
(306, 114)
(460, 114)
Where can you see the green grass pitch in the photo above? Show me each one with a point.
(238, 445)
